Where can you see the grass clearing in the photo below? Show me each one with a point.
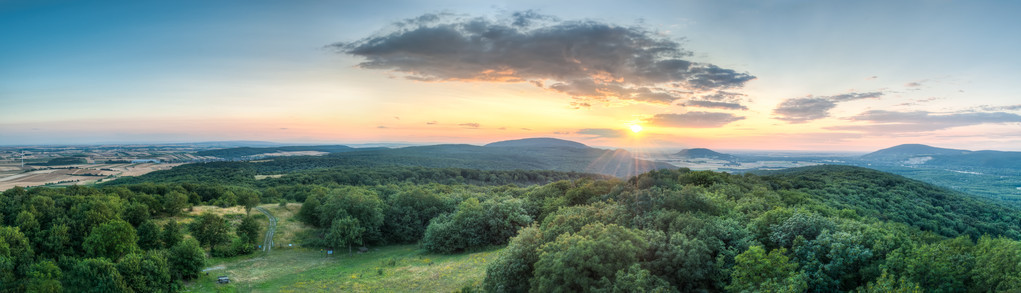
(400, 268)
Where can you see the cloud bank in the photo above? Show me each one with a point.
(588, 60)
(719, 100)
(801, 110)
(602, 132)
(694, 119)
(917, 121)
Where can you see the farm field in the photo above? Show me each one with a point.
(12, 175)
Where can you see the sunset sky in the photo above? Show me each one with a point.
(781, 75)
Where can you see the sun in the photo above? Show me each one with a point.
(636, 128)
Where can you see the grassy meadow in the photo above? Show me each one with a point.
(396, 268)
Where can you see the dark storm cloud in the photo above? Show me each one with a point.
(585, 59)
(694, 119)
(602, 132)
(801, 110)
(916, 121)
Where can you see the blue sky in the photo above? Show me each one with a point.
(836, 75)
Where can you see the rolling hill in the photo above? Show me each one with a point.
(703, 153)
(923, 155)
(242, 152)
(538, 142)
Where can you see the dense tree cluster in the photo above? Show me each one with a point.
(111, 239)
(815, 229)
(798, 231)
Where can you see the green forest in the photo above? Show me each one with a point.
(812, 229)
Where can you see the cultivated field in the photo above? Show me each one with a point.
(12, 175)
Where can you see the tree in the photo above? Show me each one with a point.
(186, 259)
(475, 224)
(309, 212)
(249, 199)
(511, 271)
(15, 256)
(345, 232)
(174, 202)
(890, 284)
(807, 225)
(98, 275)
(833, 260)
(355, 202)
(997, 265)
(29, 226)
(210, 230)
(111, 240)
(171, 234)
(579, 262)
(756, 271)
(685, 261)
(409, 213)
(149, 236)
(145, 272)
(248, 231)
(636, 279)
(44, 276)
(943, 266)
(58, 241)
(136, 213)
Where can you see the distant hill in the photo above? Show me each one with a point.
(923, 155)
(240, 152)
(538, 142)
(702, 153)
(906, 151)
(523, 154)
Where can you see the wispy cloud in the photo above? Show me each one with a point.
(694, 119)
(431, 122)
(718, 100)
(917, 121)
(586, 59)
(801, 110)
(1001, 108)
(469, 125)
(601, 132)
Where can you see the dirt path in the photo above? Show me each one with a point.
(267, 244)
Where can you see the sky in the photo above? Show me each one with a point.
(766, 75)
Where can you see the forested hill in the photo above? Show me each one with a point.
(927, 156)
(538, 142)
(895, 198)
(242, 152)
(702, 153)
(528, 154)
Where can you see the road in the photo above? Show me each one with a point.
(267, 244)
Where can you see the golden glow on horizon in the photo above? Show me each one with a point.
(636, 128)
